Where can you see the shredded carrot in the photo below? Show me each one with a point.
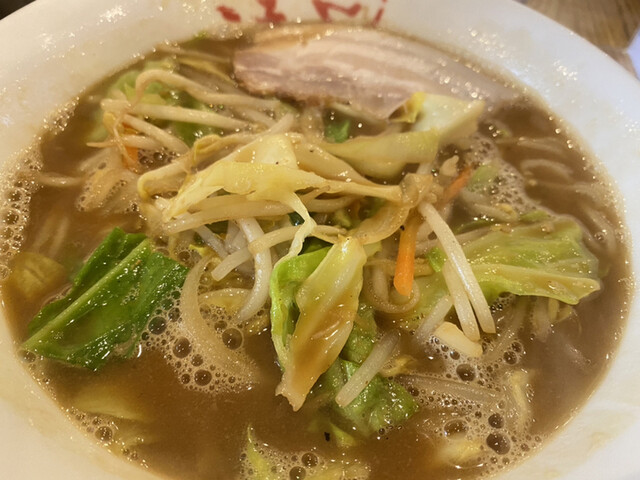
(405, 262)
(354, 209)
(455, 187)
(131, 159)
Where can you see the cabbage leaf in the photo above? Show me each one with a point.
(285, 281)
(385, 156)
(102, 317)
(546, 259)
(33, 275)
(410, 110)
(383, 403)
(155, 93)
(125, 85)
(327, 301)
(264, 462)
(336, 131)
(451, 118)
(266, 169)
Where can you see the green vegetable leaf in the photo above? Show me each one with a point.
(321, 424)
(362, 337)
(311, 244)
(296, 218)
(262, 467)
(117, 400)
(383, 403)
(337, 132)
(189, 132)
(450, 117)
(34, 275)
(412, 108)
(342, 218)
(386, 156)
(264, 462)
(156, 93)
(483, 177)
(285, 281)
(546, 259)
(327, 301)
(112, 297)
(534, 216)
(436, 258)
(219, 227)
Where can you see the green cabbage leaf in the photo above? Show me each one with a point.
(382, 404)
(337, 131)
(449, 117)
(262, 462)
(111, 299)
(545, 259)
(385, 156)
(327, 304)
(34, 275)
(285, 281)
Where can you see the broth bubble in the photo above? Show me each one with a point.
(455, 427)
(466, 372)
(498, 443)
(157, 325)
(496, 420)
(297, 473)
(202, 377)
(232, 338)
(182, 347)
(104, 434)
(309, 459)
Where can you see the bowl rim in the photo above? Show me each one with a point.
(590, 92)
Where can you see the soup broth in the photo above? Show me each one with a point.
(439, 404)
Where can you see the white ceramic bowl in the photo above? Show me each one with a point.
(53, 49)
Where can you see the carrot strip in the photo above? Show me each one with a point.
(405, 262)
(454, 188)
(131, 159)
(354, 209)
